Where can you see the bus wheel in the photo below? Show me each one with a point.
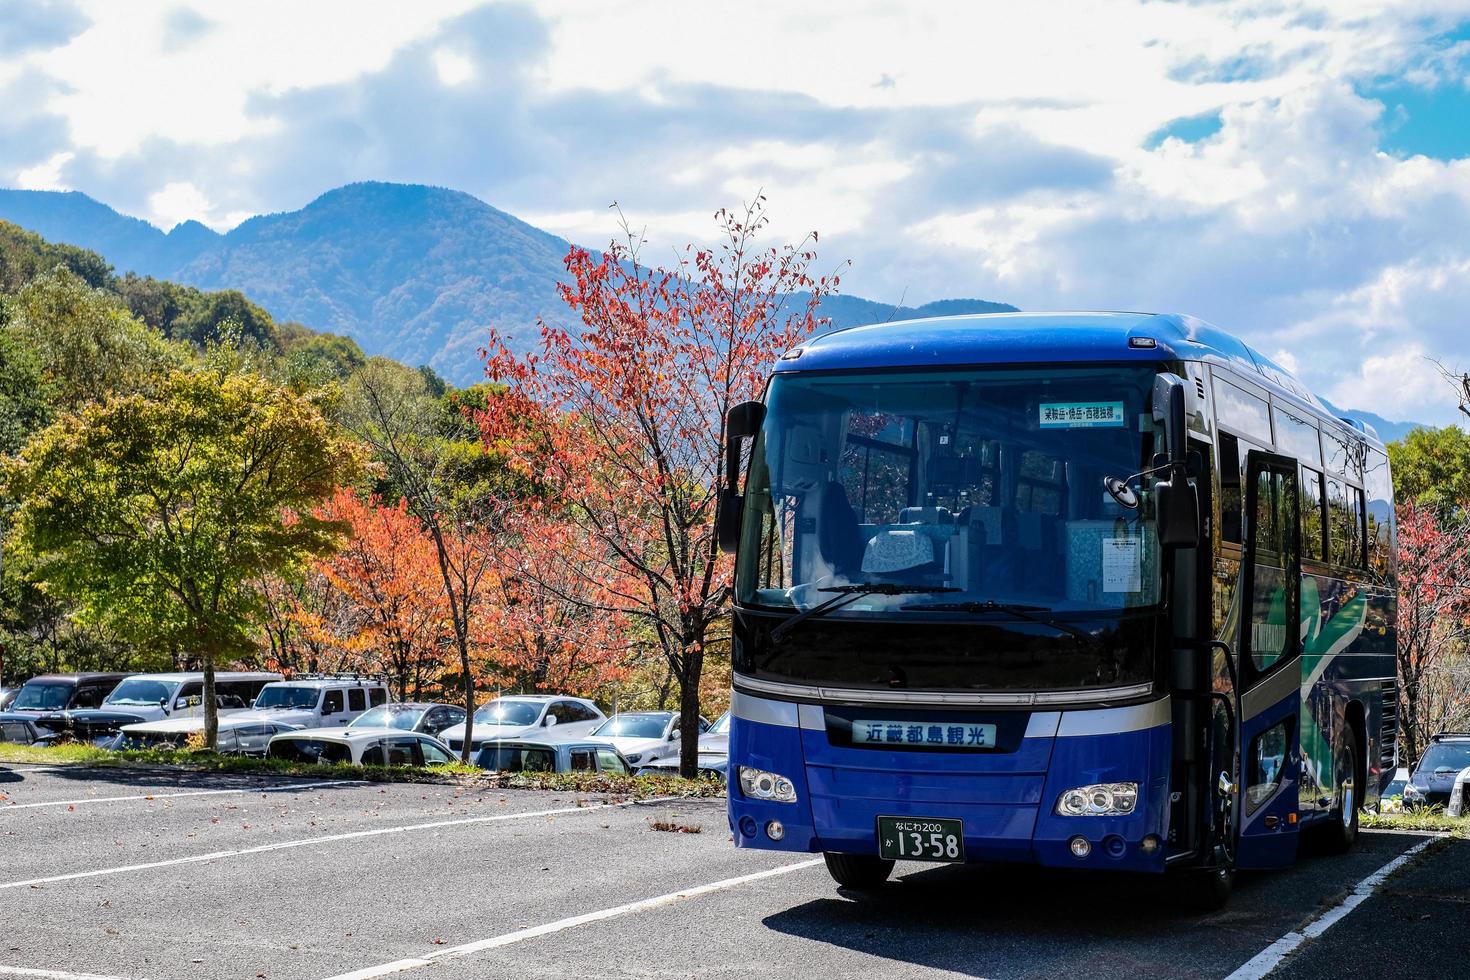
(1340, 829)
(1202, 891)
(858, 871)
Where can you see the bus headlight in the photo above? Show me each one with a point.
(761, 785)
(1099, 800)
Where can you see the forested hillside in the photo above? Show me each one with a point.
(416, 273)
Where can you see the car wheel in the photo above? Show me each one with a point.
(1201, 890)
(1340, 830)
(859, 871)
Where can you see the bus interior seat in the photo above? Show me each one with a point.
(839, 537)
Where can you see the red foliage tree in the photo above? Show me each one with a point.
(1433, 622)
(621, 420)
(387, 570)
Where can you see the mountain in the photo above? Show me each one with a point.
(417, 273)
(1388, 431)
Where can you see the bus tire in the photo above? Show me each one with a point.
(859, 871)
(1340, 829)
(1204, 890)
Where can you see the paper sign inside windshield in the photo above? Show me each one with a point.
(1122, 565)
(1081, 415)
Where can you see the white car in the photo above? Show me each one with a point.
(524, 716)
(153, 697)
(237, 736)
(318, 701)
(643, 736)
(360, 747)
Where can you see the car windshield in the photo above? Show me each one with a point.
(136, 690)
(513, 759)
(876, 489)
(633, 726)
(287, 697)
(505, 712)
(1452, 756)
(389, 716)
(43, 697)
(721, 725)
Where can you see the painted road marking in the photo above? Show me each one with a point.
(314, 841)
(20, 971)
(192, 792)
(1269, 958)
(561, 925)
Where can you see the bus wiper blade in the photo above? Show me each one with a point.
(1033, 614)
(851, 593)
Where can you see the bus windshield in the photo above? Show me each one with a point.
(972, 495)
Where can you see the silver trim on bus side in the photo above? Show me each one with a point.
(940, 698)
(748, 708)
(1270, 691)
(1114, 721)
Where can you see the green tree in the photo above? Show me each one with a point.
(158, 514)
(24, 393)
(86, 343)
(1432, 467)
(25, 255)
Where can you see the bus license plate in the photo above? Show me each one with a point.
(921, 839)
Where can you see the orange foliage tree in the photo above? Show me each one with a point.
(547, 626)
(625, 420)
(387, 570)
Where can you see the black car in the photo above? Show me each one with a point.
(1434, 777)
(92, 725)
(46, 698)
(18, 729)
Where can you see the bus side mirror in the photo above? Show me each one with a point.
(1176, 504)
(742, 422)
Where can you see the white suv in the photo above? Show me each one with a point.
(317, 701)
(527, 716)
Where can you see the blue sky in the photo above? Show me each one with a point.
(1297, 172)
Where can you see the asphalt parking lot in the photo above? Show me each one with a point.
(114, 874)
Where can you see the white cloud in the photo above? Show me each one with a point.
(178, 202)
(949, 148)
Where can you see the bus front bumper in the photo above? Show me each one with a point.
(1006, 802)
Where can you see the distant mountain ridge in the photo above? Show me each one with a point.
(414, 272)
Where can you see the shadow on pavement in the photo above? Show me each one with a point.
(1006, 921)
(165, 778)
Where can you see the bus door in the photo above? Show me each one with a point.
(1269, 700)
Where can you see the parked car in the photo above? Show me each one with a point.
(237, 736)
(19, 729)
(1434, 776)
(643, 736)
(360, 747)
(47, 697)
(1391, 796)
(716, 738)
(318, 701)
(156, 696)
(551, 755)
(523, 715)
(431, 718)
(712, 765)
(7, 697)
(95, 726)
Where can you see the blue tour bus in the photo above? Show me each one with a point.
(1083, 590)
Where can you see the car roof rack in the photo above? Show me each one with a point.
(338, 676)
(1439, 735)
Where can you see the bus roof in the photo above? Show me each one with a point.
(1021, 338)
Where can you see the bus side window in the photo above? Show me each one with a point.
(1231, 499)
(1345, 520)
(1314, 547)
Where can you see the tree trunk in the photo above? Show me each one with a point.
(211, 706)
(689, 710)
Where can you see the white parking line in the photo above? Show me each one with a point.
(510, 938)
(192, 792)
(314, 841)
(1269, 958)
(20, 971)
